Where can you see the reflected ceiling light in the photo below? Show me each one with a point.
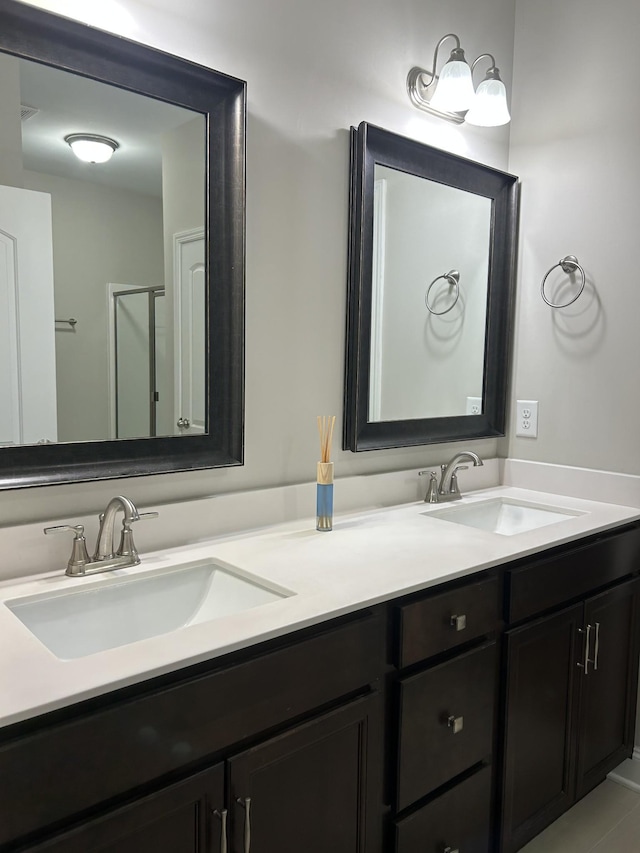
(91, 148)
(106, 14)
(450, 94)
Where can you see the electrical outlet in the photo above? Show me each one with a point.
(527, 418)
(474, 405)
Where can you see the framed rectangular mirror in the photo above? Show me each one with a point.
(121, 282)
(431, 270)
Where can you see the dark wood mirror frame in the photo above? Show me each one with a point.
(370, 146)
(32, 34)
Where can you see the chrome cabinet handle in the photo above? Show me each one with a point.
(456, 724)
(587, 644)
(451, 850)
(222, 815)
(597, 648)
(459, 622)
(246, 805)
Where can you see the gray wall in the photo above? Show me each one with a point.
(313, 69)
(574, 142)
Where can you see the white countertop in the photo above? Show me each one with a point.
(369, 557)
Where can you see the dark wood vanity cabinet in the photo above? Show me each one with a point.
(446, 706)
(284, 748)
(571, 680)
(177, 819)
(462, 718)
(306, 789)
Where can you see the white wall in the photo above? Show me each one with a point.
(313, 69)
(100, 234)
(574, 138)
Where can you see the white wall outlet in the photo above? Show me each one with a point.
(527, 418)
(474, 405)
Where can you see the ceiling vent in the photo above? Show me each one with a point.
(27, 112)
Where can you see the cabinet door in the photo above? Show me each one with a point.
(316, 788)
(608, 685)
(538, 782)
(177, 819)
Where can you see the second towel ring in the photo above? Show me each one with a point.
(453, 277)
(569, 264)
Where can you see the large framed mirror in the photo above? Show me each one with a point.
(121, 282)
(432, 242)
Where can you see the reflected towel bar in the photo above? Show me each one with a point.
(71, 321)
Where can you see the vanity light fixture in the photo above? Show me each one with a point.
(450, 94)
(91, 148)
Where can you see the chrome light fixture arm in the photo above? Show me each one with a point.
(490, 56)
(420, 81)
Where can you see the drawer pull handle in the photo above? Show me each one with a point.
(459, 622)
(597, 649)
(456, 724)
(222, 815)
(246, 805)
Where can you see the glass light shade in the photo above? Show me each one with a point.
(454, 92)
(489, 107)
(92, 149)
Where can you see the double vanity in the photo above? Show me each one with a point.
(427, 677)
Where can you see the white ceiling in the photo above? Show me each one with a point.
(68, 104)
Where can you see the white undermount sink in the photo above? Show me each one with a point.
(505, 516)
(116, 611)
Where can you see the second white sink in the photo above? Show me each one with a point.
(117, 611)
(505, 516)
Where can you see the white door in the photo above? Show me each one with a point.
(27, 321)
(189, 332)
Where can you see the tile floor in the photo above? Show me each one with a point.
(606, 821)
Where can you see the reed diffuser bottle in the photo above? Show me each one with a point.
(324, 488)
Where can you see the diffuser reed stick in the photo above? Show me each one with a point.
(324, 488)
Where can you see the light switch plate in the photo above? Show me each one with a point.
(527, 418)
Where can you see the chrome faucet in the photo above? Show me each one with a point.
(105, 556)
(105, 544)
(448, 489)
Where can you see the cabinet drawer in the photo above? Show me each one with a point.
(428, 627)
(446, 722)
(92, 758)
(460, 820)
(549, 583)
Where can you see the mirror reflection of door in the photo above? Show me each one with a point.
(138, 347)
(28, 409)
(112, 222)
(189, 332)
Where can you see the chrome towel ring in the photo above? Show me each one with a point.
(453, 277)
(569, 264)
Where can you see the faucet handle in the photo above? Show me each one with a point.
(127, 546)
(431, 496)
(79, 554)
